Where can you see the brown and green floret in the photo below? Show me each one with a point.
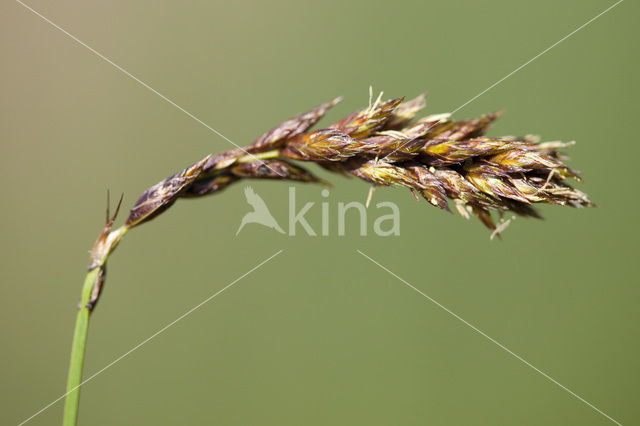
(384, 144)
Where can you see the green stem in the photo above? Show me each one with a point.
(259, 156)
(77, 352)
(106, 243)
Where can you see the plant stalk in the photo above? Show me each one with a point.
(77, 351)
(259, 156)
(105, 244)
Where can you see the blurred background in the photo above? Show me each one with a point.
(319, 335)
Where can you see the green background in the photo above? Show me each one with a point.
(319, 335)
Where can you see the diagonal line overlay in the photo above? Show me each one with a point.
(162, 330)
(145, 85)
(492, 340)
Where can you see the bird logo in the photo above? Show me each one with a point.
(260, 213)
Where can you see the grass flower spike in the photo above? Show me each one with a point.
(434, 157)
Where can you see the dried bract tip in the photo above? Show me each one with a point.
(107, 242)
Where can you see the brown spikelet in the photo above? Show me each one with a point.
(440, 152)
(520, 160)
(485, 216)
(495, 186)
(393, 146)
(276, 137)
(162, 195)
(420, 128)
(432, 188)
(465, 129)
(405, 113)
(364, 122)
(458, 187)
(273, 169)
(209, 185)
(321, 145)
(223, 160)
(434, 156)
(383, 173)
